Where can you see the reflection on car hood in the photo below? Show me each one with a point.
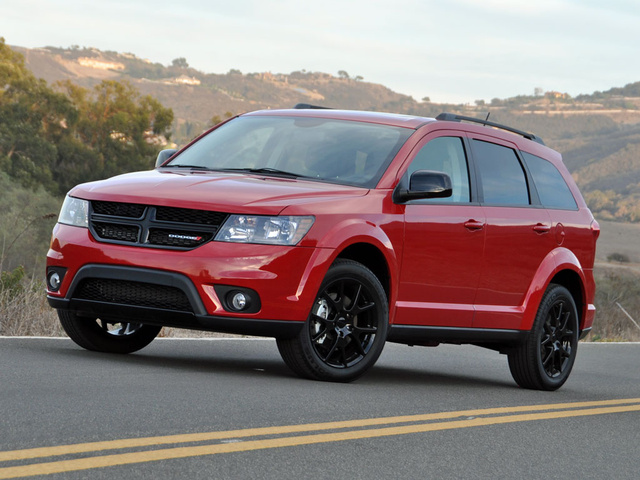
(227, 192)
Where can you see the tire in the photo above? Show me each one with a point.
(107, 336)
(545, 360)
(346, 329)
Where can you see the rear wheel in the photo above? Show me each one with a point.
(545, 360)
(346, 329)
(108, 336)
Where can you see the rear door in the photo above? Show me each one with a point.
(518, 233)
(444, 241)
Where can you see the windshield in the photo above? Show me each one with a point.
(339, 151)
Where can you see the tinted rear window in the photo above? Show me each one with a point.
(552, 189)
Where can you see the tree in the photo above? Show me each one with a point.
(122, 128)
(216, 119)
(33, 118)
(343, 74)
(57, 139)
(180, 62)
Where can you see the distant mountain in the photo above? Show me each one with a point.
(598, 134)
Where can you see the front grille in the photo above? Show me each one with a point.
(110, 231)
(117, 209)
(139, 294)
(153, 226)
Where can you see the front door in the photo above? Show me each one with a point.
(444, 241)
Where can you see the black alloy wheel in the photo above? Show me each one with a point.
(346, 329)
(545, 360)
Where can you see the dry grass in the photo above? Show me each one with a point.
(26, 313)
(618, 288)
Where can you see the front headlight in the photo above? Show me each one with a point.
(75, 212)
(285, 230)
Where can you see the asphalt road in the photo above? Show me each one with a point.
(229, 408)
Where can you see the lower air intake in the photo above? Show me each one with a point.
(139, 294)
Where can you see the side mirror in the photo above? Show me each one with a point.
(164, 155)
(424, 184)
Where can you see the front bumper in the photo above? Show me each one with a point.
(187, 320)
(285, 278)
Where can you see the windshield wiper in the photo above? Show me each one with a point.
(265, 170)
(193, 167)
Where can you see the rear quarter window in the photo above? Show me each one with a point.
(552, 189)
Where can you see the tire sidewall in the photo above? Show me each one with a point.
(85, 332)
(554, 294)
(342, 270)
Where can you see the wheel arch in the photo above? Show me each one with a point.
(561, 267)
(571, 281)
(371, 257)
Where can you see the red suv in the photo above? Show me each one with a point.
(335, 232)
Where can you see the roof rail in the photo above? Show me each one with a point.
(306, 106)
(453, 117)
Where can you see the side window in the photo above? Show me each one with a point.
(445, 154)
(501, 175)
(552, 189)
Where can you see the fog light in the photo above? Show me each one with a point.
(239, 301)
(54, 281)
(55, 276)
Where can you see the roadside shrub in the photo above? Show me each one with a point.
(26, 220)
(618, 257)
(11, 281)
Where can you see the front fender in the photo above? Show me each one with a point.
(354, 232)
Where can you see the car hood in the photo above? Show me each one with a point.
(219, 191)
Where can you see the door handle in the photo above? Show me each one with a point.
(473, 225)
(541, 228)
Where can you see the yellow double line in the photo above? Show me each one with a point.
(248, 439)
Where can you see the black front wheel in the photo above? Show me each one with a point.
(346, 329)
(545, 360)
(110, 336)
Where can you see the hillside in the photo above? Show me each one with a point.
(198, 97)
(598, 133)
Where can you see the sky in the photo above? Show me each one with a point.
(456, 51)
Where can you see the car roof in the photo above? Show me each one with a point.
(414, 122)
(390, 119)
